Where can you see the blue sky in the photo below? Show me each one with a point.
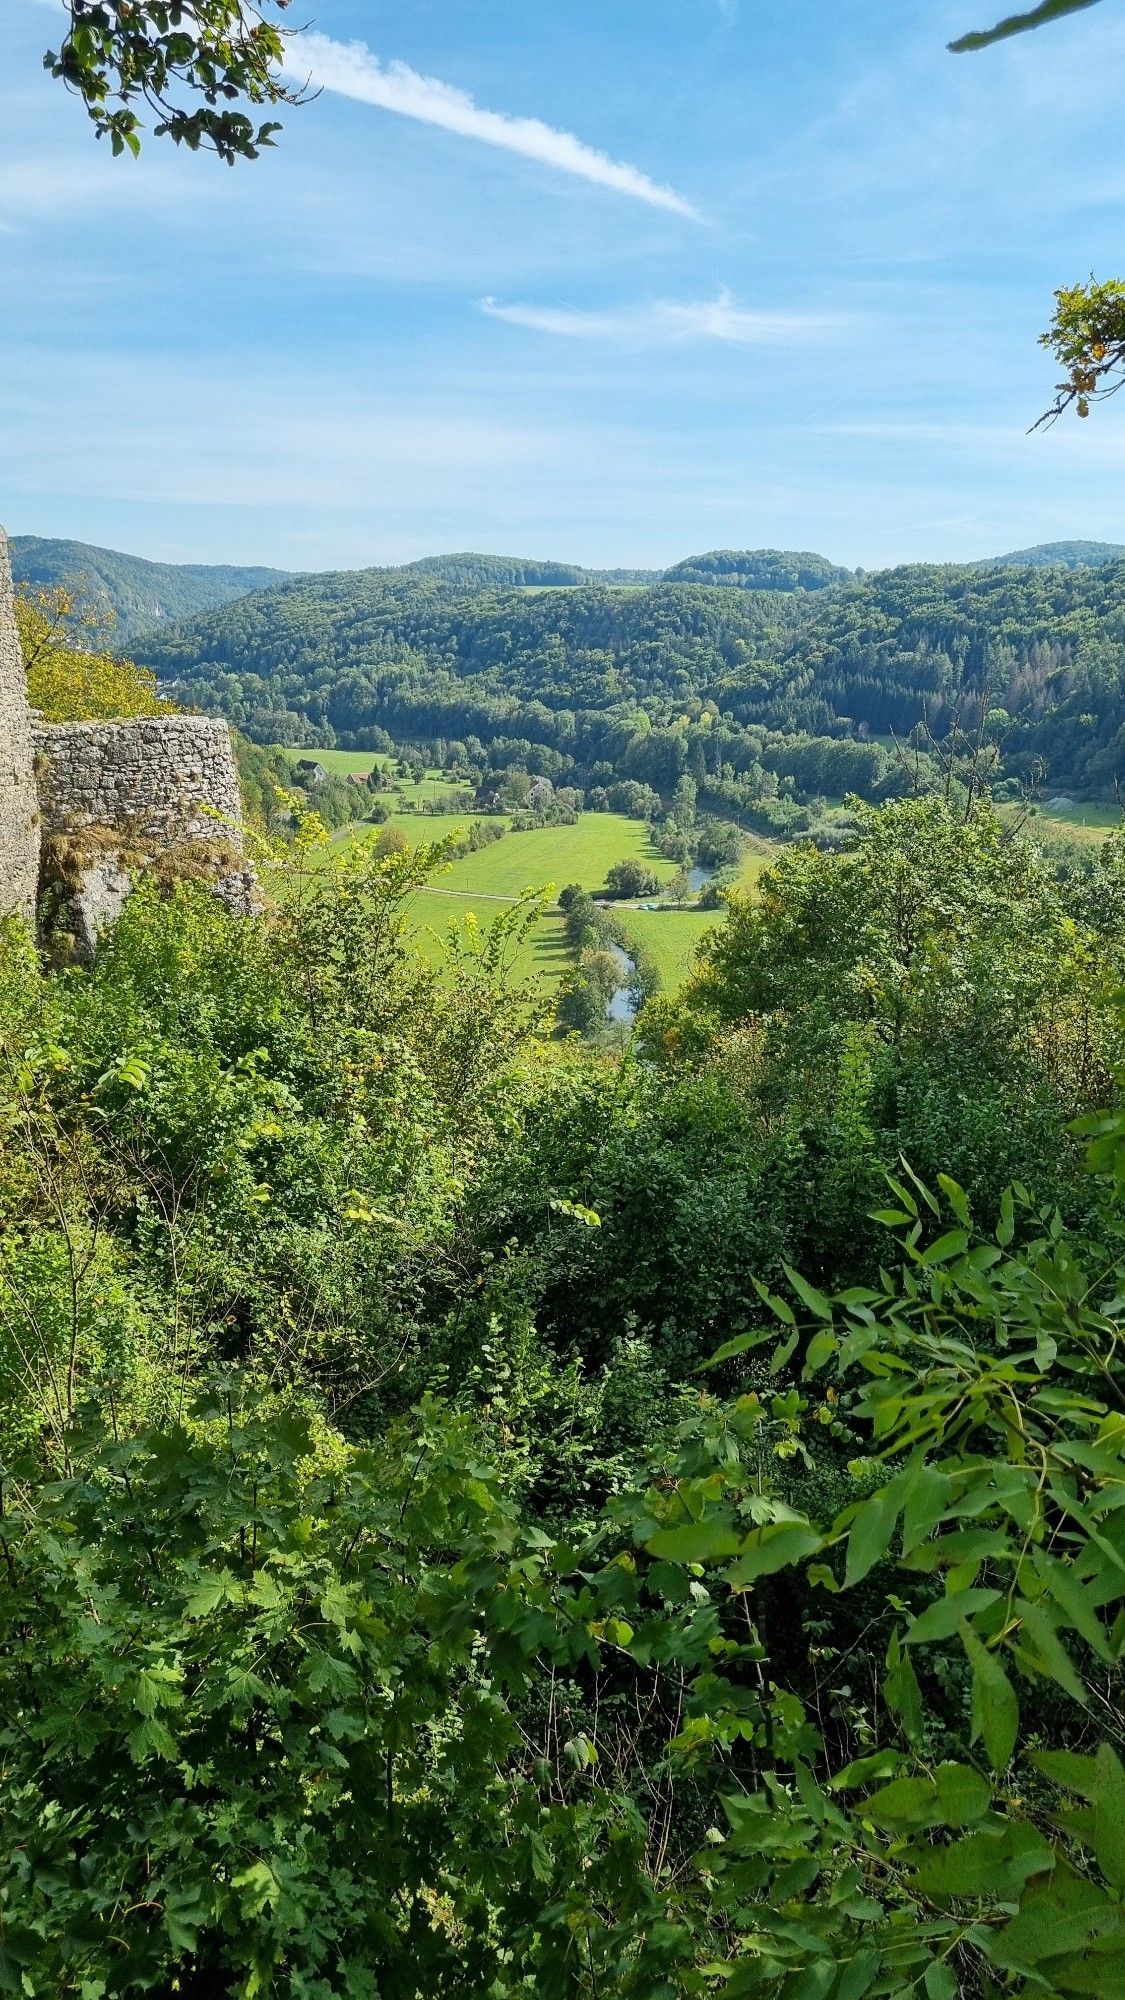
(608, 282)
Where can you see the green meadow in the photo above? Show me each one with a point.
(1085, 820)
(478, 887)
(349, 763)
(545, 859)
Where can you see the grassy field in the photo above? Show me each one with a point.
(542, 955)
(547, 855)
(483, 884)
(1084, 820)
(343, 763)
(672, 937)
(558, 855)
(547, 858)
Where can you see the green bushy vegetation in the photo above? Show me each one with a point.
(485, 1515)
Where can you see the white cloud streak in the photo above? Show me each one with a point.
(351, 70)
(667, 322)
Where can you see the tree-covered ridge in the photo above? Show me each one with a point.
(807, 684)
(1072, 555)
(481, 571)
(759, 569)
(139, 593)
(1042, 648)
(348, 647)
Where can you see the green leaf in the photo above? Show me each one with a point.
(814, 1301)
(1043, 1650)
(856, 1976)
(927, 1495)
(958, 1200)
(861, 1772)
(964, 1796)
(871, 1532)
(1006, 1227)
(941, 1619)
(1101, 1780)
(1073, 1601)
(696, 1541)
(212, 1592)
(780, 1308)
(774, 1547)
(152, 1739)
(783, 1353)
(820, 1349)
(954, 1243)
(941, 1980)
(1058, 1916)
(903, 1694)
(906, 1802)
(995, 1709)
(992, 1861)
(955, 1796)
(740, 1343)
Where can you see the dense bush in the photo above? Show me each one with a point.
(485, 1516)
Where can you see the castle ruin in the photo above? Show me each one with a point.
(110, 797)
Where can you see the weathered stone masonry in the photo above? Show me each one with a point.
(19, 828)
(145, 788)
(171, 777)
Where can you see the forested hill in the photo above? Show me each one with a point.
(139, 593)
(1046, 555)
(759, 569)
(415, 654)
(480, 572)
(737, 569)
(801, 682)
(1044, 649)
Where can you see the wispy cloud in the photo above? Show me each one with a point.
(667, 321)
(351, 70)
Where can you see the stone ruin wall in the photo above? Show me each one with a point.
(19, 820)
(171, 778)
(158, 783)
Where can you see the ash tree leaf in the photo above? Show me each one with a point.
(903, 1694)
(1074, 1600)
(696, 1541)
(814, 1301)
(953, 1243)
(871, 1532)
(963, 1794)
(857, 1974)
(739, 1343)
(774, 1547)
(941, 1619)
(995, 1709)
(1044, 1650)
(941, 1980)
(958, 1200)
(905, 1802)
(1101, 1780)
